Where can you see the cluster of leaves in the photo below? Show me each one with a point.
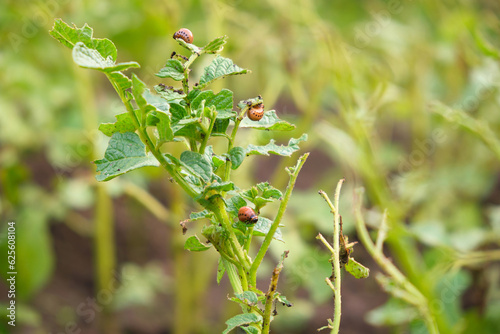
(190, 116)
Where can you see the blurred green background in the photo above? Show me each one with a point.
(400, 97)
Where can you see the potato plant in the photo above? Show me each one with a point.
(191, 115)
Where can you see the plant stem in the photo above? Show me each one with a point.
(232, 274)
(249, 238)
(336, 255)
(294, 172)
(266, 319)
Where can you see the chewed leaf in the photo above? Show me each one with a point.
(173, 69)
(123, 124)
(270, 121)
(121, 80)
(216, 45)
(91, 58)
(125, 153)
(241, 320)
(293, 146)
(69, 36)
(356, 269)
(219, 68)
(194, 244)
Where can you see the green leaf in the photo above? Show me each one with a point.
(219, 68)
(125, 153)
(284, 301)
(169, 93)
(173, 69)
(91, 58)
(222, 101)
(200, 215)
(123, 124)
(261, 229)
(216, 45)
(356, 269)
(165, 132)
(293, 146)
(234, 204)
(247, 298)
(121, 80)
(270, 121)
(217, 160)
(220, 270)
(194, 244)
(191, 47)
(69, 36)
(178, 112)
(240, 320)
(236, 155)
(267, 194)
(250, 330)
(197, 164)
(220, 186)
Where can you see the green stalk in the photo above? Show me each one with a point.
(336, 256)
(207, 134)
(234, 278)
(294, 172)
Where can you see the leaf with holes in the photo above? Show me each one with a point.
(270, 121)
(293, 146)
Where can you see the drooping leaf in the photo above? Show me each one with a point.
(173, 69)
(197, 164)
(240, 320)
(123, 124)
(236, 155)
(125, 153)
(91, 58)
(194, 244)
(356, 269)
(270, 121)
(219, 68)
(216, 45)
(293, 146)
(165, 132)
(261, 229)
